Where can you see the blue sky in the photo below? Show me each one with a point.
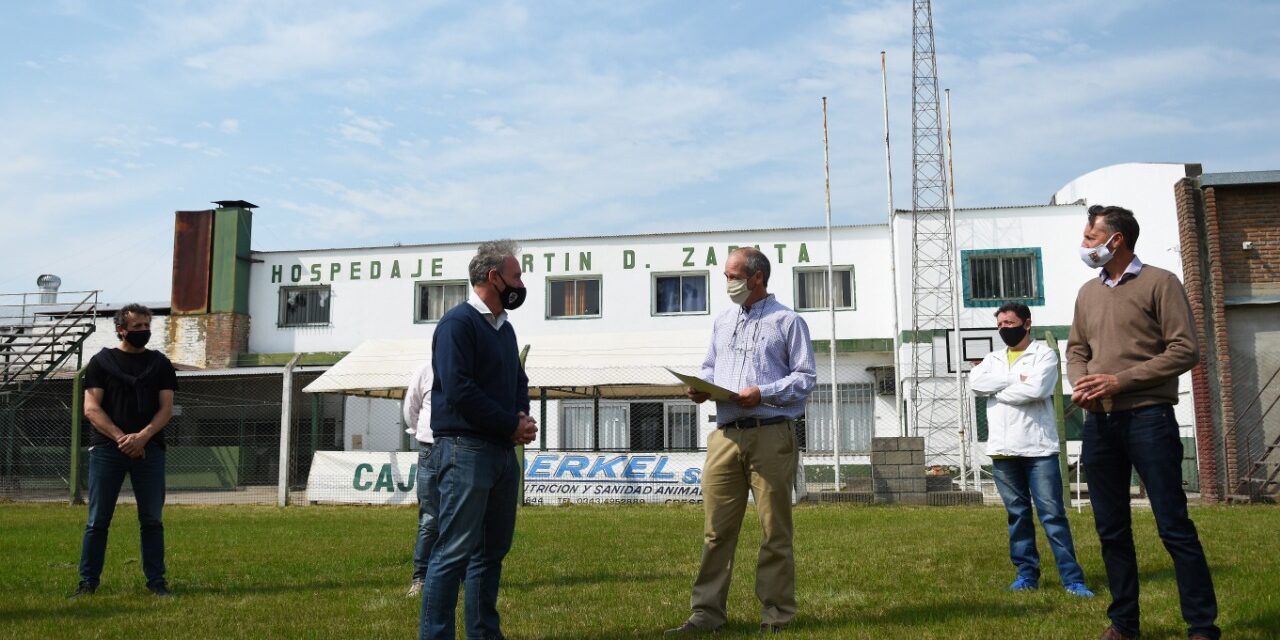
(368, 123)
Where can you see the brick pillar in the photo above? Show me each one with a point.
(1208, 449)
(1217, 311)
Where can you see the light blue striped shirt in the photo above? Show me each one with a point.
(765, 346)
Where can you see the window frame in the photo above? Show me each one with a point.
(282, 295)
(966, 276)
(417, 296)
(853, 287)
(629, 410)
(547, 298)
(653, 292)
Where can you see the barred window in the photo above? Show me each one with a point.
(995, 277)
(679, 294)
(811, 288)
(629, 425)
(304, 306)
(576, 298)
(435, 298)
(857, 418)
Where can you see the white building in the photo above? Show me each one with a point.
(610, 297)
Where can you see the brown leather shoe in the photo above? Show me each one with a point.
(1112, 634)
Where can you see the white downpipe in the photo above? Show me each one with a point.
(962, 431)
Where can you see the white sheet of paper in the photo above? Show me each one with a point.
(698, 384)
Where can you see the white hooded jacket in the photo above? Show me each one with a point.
(1020, 415)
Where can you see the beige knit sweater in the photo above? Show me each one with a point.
(1141, 331)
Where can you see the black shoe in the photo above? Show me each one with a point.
(689, 629)
(161, 589)
(765, 627)
(83, 589)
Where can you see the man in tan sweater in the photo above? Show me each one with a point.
(1132, 335)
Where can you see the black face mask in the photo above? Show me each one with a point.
(1013, 335)
(138, 339)
(512, 297)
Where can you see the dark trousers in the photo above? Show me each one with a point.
(426, 513)
(1145, 439)
(107, 469)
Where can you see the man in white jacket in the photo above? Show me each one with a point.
(1022, 442)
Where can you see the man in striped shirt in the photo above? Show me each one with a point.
(761, 348)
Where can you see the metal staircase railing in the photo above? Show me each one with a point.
(37, 337)
(1262, 480)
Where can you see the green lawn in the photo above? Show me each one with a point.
(603, 572)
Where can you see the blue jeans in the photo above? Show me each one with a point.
(477, 484)
(427, 504)
(107, 469)
(1145, 439)
(1021, 482)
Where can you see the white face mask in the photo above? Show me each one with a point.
(738, 291)
(1095, 257)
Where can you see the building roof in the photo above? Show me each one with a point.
(1236, 178)
(656, 234)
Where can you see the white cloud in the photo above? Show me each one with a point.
(229, 125)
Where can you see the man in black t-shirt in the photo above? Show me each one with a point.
(128, 398)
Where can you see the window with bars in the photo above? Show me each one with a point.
(856, 414)
(675, 294)
(435, 298)
(811, 288)
(304, 306)
(629, 425)
(576, 298)
(993, 277)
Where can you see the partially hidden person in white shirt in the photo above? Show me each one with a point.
(1018, 383)
(417, 420)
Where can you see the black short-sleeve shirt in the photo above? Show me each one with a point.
(128, 408)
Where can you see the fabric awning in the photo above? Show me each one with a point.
(614, 365)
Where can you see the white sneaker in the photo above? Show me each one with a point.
(415, 589)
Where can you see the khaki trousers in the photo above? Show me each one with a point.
(762, 460)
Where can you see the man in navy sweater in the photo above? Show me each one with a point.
(479, 412)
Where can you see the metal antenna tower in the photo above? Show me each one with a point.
(936, 408)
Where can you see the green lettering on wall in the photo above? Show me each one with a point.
(375, 270)
(334, 269)
(628, 259)
(413, 474)
(355, 270)
(277, 273)
(315, 273)
(437, 266)
(566, 261)
(711, 256)
(548, 256)
(295, 273)
(688, 256)
(419, 273)
(526, 263)
(384, 480)
(732, 248)
(780, 247)
(584, 261)
(395, 268)
(357, 482)
(804, 253)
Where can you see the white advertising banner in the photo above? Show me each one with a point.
(551, 477)
(564, 477)
(363, 477)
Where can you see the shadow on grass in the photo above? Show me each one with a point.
(568, 580)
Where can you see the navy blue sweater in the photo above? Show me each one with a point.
(479, 383)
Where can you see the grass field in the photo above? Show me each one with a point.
(604, 572)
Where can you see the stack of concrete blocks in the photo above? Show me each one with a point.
(897, 470)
